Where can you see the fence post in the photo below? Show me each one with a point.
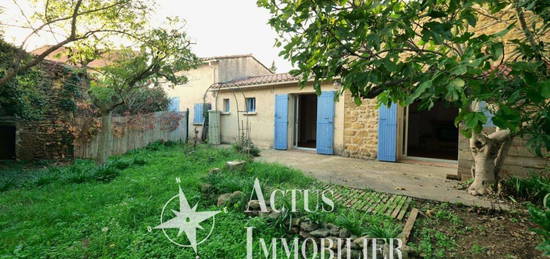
(186, 125)
(214, 131)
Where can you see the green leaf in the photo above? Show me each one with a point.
(457, 83)
(545, 88)
(470, 18)
(505, 31)
(507, 118)
(357, 100)
(497, 50)
(419, 90)
(459, 70)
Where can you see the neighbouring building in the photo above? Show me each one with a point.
(195, 95)
(56, 91)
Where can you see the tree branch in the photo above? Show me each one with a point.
(524, 27)
(500, 136)
(11, 73)
(376, 90)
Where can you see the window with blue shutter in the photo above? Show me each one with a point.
(199, 110)
(174, 105)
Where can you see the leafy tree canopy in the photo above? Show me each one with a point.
(82, 22)
(428, 50)
(161, 55)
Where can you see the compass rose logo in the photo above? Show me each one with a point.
(187, 220)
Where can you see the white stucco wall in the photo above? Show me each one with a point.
(240, 68)
(207, 74)
(262, 122)
(191, 93)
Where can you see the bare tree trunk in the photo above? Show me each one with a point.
(106, 137)
(489, 153)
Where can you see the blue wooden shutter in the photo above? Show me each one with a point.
(174, 105)
(198, 116)
(200, 110)
(281, 122)
(325, 123)
(387, 133)
(483, 107)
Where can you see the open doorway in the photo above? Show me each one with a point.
(7, 142)
(305, 130)
(432, 133)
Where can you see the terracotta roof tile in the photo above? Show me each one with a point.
(61, 56)
(226, 57)
(258, 80)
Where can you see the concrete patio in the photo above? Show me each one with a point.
(411, 179)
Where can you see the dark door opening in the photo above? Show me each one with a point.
(7, 142)
(306, 130)
(432, 133)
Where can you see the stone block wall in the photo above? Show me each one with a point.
(519, 162)
(360, 128)
(49, 137)
(42, 140)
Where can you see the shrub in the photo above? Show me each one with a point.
(106, 173)
(121, 164)
(541, 216)
(139, 161)
(532, 188)
(245, 146)
(383, 230)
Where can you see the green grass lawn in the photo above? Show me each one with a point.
(82, 210)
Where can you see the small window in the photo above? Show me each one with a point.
(251, 104)
(226, 106)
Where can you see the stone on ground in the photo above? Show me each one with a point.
(235, 163)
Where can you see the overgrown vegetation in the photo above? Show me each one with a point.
(246, 146)
(31, 94)
(532, 188)
(541, 216)
(84, 210)
(432, 243)
(81, 171)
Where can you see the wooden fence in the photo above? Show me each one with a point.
(133, 132)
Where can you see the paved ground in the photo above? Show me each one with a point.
(416, 180)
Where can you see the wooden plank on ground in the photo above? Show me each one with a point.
(378, 199)
(382, 204)
(391, 205)
(385, 206)
(407, 229)
(404, 209)
(361, 200)
(398, 207)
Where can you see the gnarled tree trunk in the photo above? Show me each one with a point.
(489, 152)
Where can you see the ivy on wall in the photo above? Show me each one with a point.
(40, 92)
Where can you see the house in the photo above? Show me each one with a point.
(195, 95)
(275, 112)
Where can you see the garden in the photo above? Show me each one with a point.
(85, 210)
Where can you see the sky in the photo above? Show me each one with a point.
(217, 27)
